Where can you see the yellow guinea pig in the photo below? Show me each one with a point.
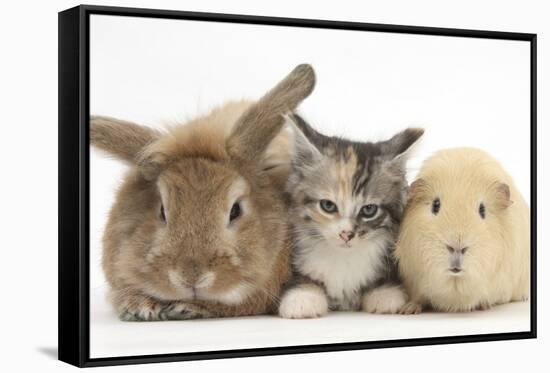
(464, 242)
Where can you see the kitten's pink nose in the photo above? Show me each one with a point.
(346, 235)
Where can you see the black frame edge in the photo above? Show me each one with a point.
(73, 301)
(70, 310)
(305, 22)
(306, 349)
(533, 202)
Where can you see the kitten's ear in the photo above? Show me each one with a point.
(401, 142)
(305, 153)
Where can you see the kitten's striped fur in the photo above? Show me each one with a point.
(326, 264)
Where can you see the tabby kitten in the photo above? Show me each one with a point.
(347, 199)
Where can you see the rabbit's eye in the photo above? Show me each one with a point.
(482, 210)
(436, 205)
(162, 214)
(235, 212)
(328, 206)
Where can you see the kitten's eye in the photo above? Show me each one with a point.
(235, 212)
(328, 206)
(368, 211)
(436, 205)
(162, 214)
(482, 210)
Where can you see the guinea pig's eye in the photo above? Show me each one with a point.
(436, 205)
(368, 211)
(482, 210)
(235, 211)
(162, 214)
(328, 206)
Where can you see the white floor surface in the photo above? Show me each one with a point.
(111, 337)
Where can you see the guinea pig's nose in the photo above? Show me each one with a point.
(458, 250)
(347, 235)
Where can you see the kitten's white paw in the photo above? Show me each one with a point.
(303, 302)
(384, 299)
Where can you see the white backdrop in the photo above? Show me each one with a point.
(28, 276)
(463, 91)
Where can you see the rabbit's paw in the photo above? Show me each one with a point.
(303, 302)
(183, 311)
(147, 310)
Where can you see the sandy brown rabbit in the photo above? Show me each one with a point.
(199, 225)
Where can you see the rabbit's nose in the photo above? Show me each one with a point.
(204, 280)
(347, 235)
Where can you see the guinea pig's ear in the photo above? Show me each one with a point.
(262, 122)
(418, 190)
(501, 195)
(121, 139)
(397, 146)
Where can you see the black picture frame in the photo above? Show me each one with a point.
(74, 183)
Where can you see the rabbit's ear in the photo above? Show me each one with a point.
(154, 158)
(121, 139)
(259, 125)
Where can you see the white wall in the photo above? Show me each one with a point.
(29, 158)
(463, 91)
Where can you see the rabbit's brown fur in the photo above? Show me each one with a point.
(170, 248)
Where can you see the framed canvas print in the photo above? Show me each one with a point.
(235, 186)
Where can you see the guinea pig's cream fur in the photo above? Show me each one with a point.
(464, 241)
